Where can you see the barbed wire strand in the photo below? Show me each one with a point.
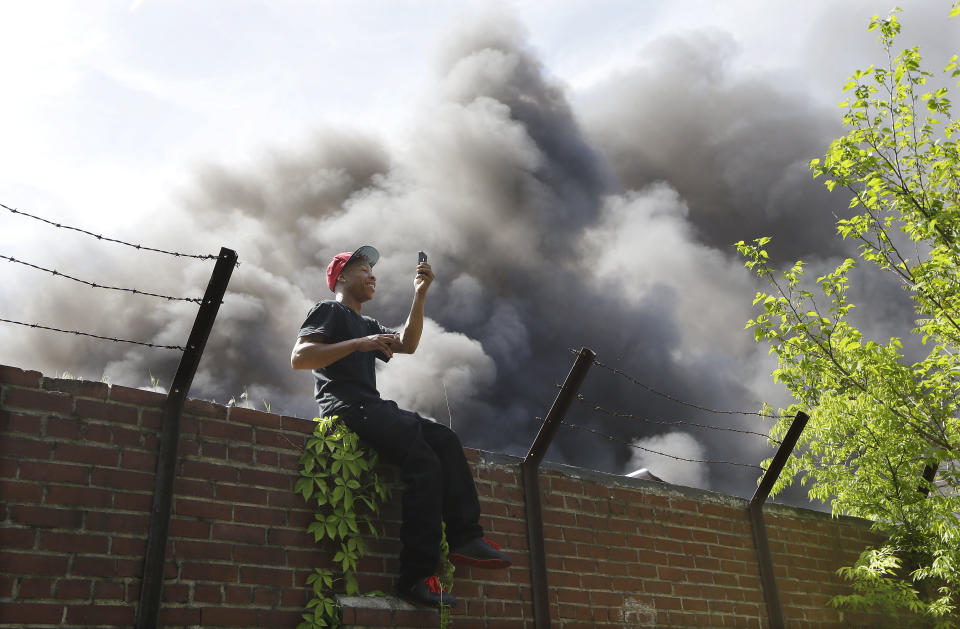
(669, 456)
(198, 300)
(96, 336)
(102, 237)
(675, 422)
(674, 399)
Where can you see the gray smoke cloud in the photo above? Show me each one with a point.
(551, 225)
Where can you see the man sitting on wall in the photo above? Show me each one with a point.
(339, 345)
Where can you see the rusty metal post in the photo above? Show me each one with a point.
(765, 559)
(529, 473)
(151, 587)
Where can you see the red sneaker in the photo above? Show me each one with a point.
(481, 553)
(426, 593)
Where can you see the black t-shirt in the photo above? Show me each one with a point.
(351, 379)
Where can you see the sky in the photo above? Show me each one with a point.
(577, 171)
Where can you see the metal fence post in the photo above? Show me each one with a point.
(529, 473)
(755, 510)
(151, 587)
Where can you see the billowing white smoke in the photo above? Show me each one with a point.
(449, 368)
(670, 469)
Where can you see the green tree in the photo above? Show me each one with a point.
(881, 425)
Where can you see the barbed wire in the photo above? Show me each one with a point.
(96, 336)
(675, 399)
(102, 237)
(198, 300)
(675, 422)
(664, 454)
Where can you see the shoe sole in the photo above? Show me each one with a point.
(486, 564)
(423, 605)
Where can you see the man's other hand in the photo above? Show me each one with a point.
(379, 343)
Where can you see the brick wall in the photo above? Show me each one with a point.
(76, 478)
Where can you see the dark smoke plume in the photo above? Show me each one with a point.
(607, 227)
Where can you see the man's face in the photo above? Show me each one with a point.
(359, 280)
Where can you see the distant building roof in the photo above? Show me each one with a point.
(645, 474)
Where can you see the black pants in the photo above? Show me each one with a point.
(438, 481)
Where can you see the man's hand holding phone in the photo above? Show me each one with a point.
(424, 275)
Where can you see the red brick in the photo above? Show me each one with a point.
(226, 430)
(188, 487)
(128, 546)
(268, 479)
(105, 457)
(209, 471)
(16, 491)
(299, 537)
(202, 509)
(288, 461)
(189, 446)
(46, 517)
(23, 448)
(65, 428)
(211, 450)
(54, 472)
(218, 572)
(259, 515)
(286, 500)
(204, 408)
(72, 542)
(240, 533)
(179, 617)
(18, 422)
(17, 538)
(30, 614)
(77, 388)
(241, 454)
(86, 496)
(105, 590)
(108, 411)
(266, 576)
(127, 437)
(207, 593)
(254, 417)
(133, 460)
(244, 494)
(277, 618)
(138, 397)
(122, 479)
(195, 549)
(117, 615)
(189, 528)
(90, 566)
(117, 522)
(33, 563)
(176, 593)
(38, 400)
(75, 589)
(297, 424)
(20, 377)
(35, 588)
(151, 419)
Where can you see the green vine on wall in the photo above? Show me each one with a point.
(338, 476)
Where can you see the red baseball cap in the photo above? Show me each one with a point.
(342, 259)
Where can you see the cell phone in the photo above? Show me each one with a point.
(421, 258)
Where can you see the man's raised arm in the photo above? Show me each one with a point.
(413, 328)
